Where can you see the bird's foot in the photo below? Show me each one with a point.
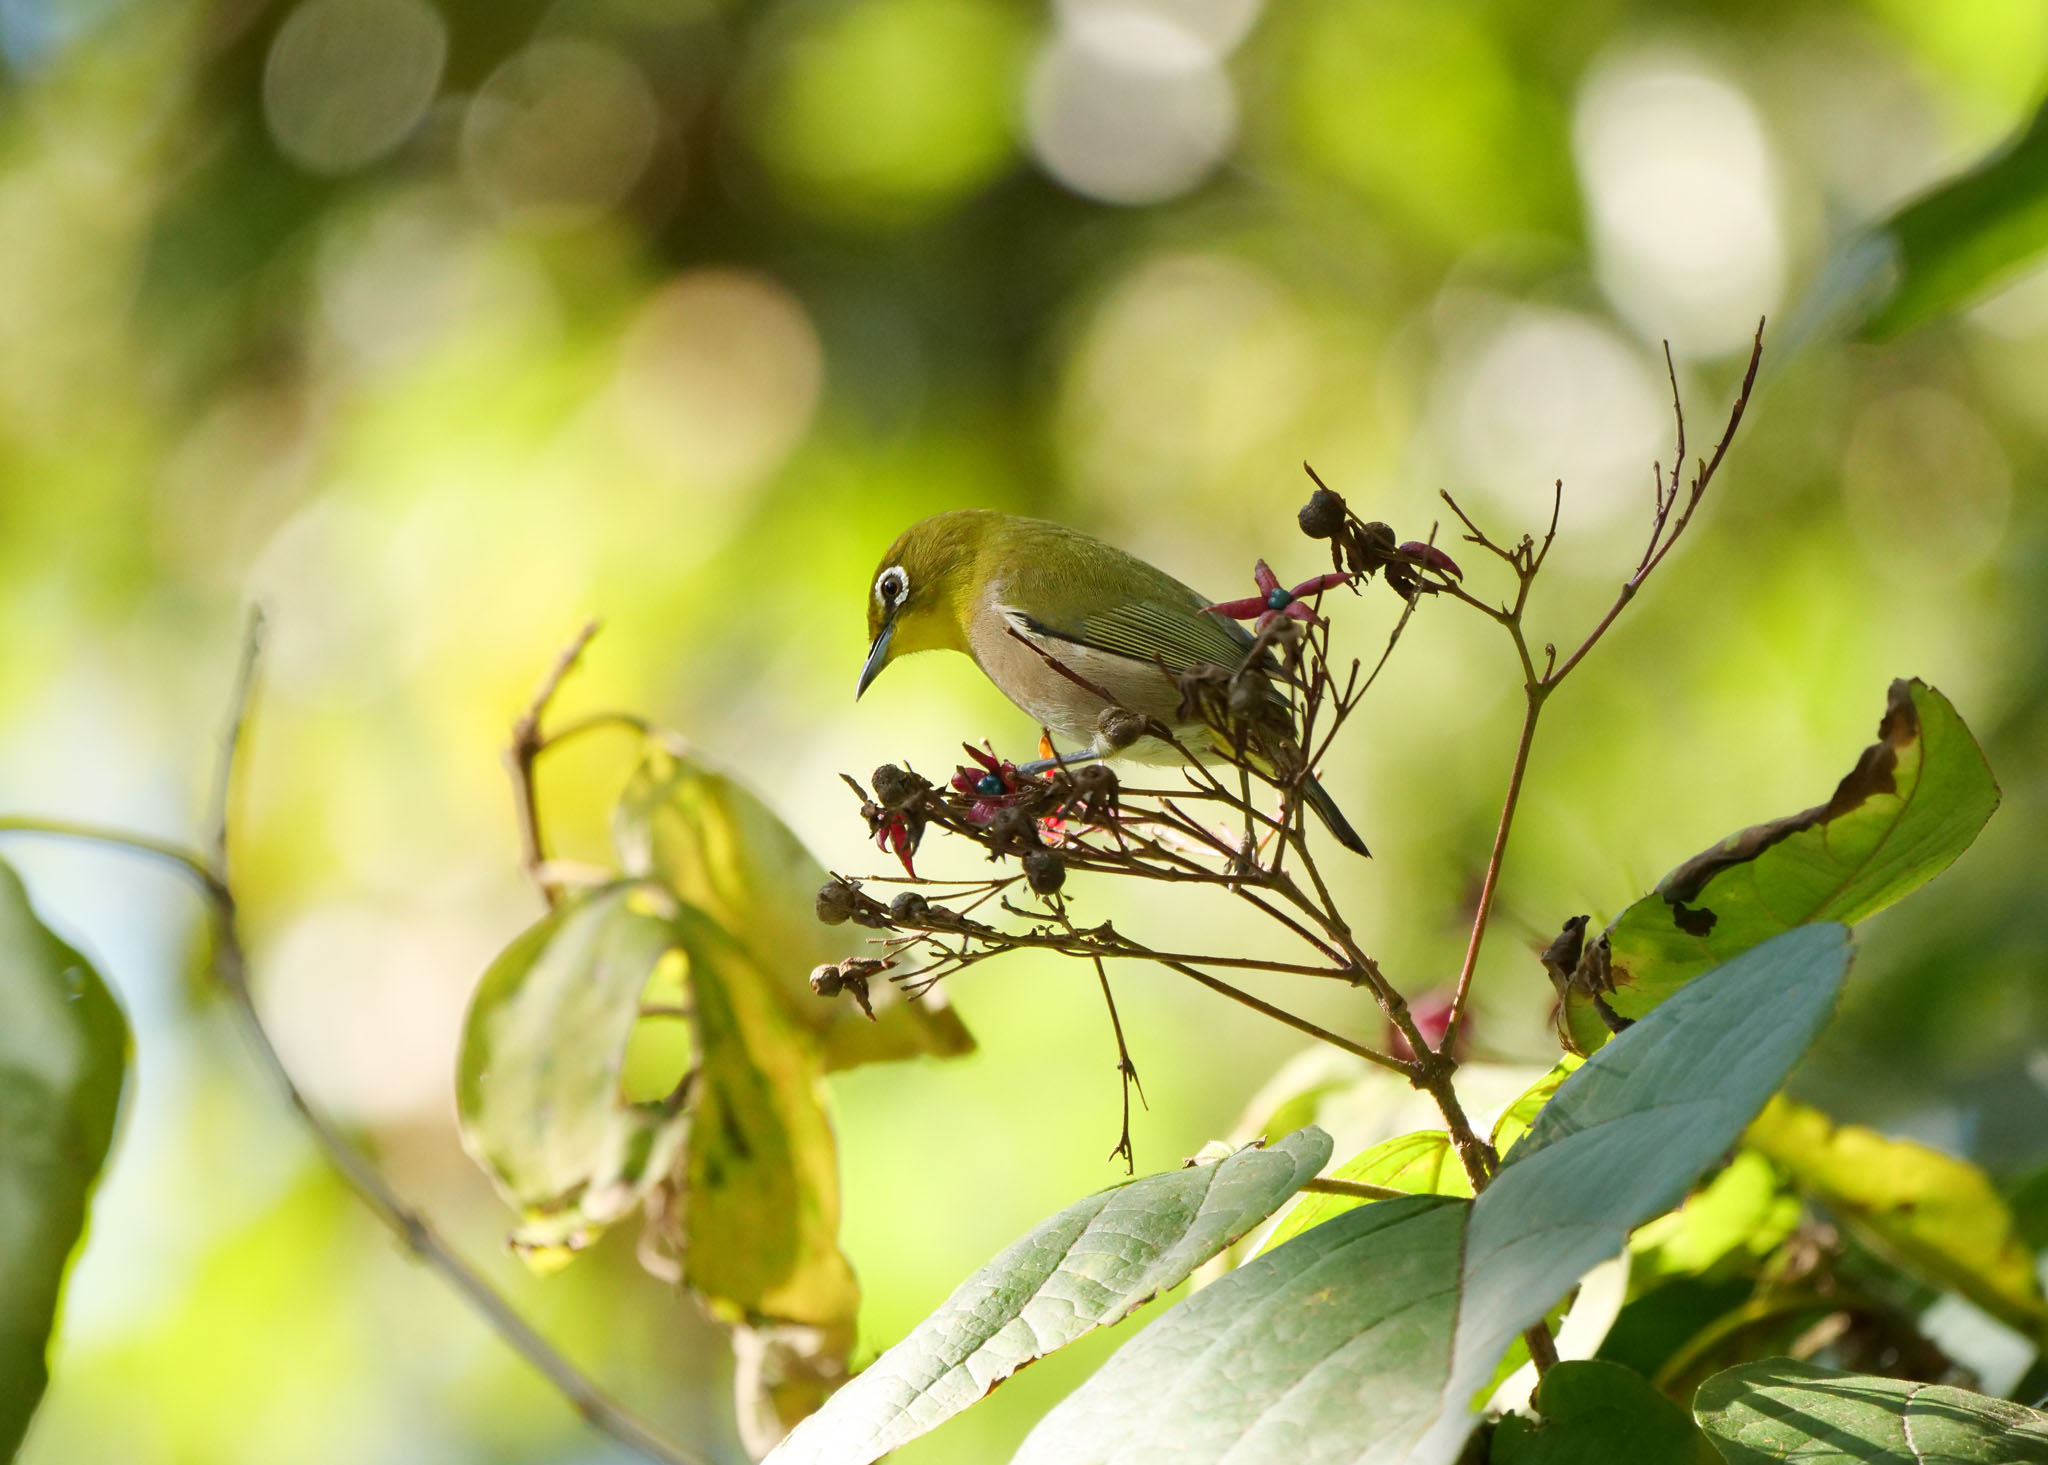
(1058, 760)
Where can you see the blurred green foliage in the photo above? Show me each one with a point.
(677, 310)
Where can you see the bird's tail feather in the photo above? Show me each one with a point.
(1333, 817)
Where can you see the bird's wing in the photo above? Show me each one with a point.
(1179, 636)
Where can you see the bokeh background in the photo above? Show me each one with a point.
(438, 328)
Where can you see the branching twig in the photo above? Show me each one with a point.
(1271, 719)
(210, 874)
(1537, 687)
(1127, 1071)
(526, 746)
(1661, 542)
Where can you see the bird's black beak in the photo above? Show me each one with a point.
(878, 657)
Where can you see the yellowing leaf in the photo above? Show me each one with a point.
(1937, 1215)
(1516, 1120)
(1417, 1164)
(759, 1205)
(539, 1078)
(1744, 1209)
(725, 853)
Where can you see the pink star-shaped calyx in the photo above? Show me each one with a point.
(1275, 600)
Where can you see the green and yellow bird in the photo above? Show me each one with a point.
(967, 579)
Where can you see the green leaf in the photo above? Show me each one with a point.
(1420, 1164)
(720, 849)
(1593, 1413)
(1765, 1413)
(757, 1220)
(63, 1057)
(1310, 1353)
(1376, 1330)
(1628, 1134)
(2028, 1198)
(1091, 1265)
(1937, 1216)
(1745, 1211)
(1914, 801)
(1653, 1328)
(539, 1077)
(1943, 249)
(1516, 1120)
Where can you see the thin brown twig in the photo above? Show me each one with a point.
(1654, 555)
(1127, 1071)
(1665, 533)
(525, 747)
(1490, 883)
(1299, 1024)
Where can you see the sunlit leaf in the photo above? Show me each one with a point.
(1743, 1211)
(63, 1056)
(1938, 1216)
(1091, 1265)
(1943, 249)
(1913, 802)
(1309, 1353)
(1379, 1330)
(1628, 1133)
(1421, 1164)
(758, 1219)
(1516, 1119)
(1593, 1413)
(539, 1078)
(723, 851)
(1777, 1410)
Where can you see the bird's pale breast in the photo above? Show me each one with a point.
(1069, 711)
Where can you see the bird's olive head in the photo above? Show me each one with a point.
(916, 597)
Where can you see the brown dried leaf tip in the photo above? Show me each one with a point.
(1874, 774)
(1576, 964)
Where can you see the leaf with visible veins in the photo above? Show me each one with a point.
(1376, 1335)
(1091, 1265)
(1776, 1410)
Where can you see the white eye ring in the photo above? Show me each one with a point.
(892, 586)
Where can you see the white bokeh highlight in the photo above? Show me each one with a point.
(1681, 202)
(559, 133)
(346, 81)
(1544, 394)
(1129, 103)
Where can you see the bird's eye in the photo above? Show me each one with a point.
(892, 586)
